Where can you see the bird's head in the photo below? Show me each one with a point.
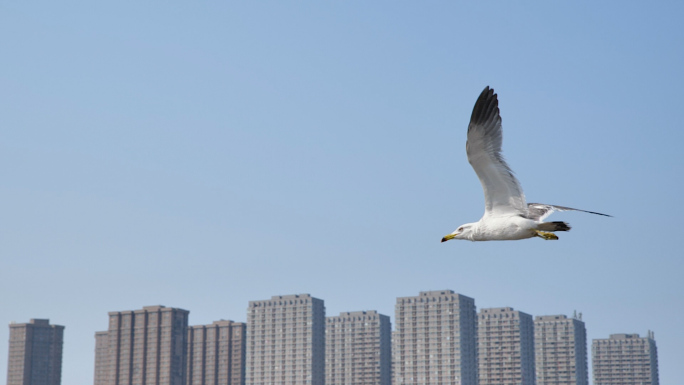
(463, 232)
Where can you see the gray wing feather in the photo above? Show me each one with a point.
(539, 211)
(503, 193)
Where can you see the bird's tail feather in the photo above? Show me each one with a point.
(553, 226)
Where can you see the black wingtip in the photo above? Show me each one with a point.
(561, 226)
(486, 107)
(594, 212)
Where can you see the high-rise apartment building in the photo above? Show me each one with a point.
(560, 347)
(101, 355)
(286, 341)
(216, 354)
(144, 347)
(625, 359)
(35, 353)
(506, 347)
(358, 349)
(434, 341)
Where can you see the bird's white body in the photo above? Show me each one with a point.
(503, 228)
(507, 215)
(506, 228)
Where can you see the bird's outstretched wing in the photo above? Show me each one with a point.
(502, 191)
(539, 211)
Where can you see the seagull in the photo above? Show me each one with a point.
(507, 216)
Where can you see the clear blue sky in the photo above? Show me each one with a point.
(202, 155)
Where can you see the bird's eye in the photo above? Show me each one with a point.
(460, 229)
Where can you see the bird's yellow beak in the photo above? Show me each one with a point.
(448, 237)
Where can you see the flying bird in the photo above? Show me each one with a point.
(507, 215)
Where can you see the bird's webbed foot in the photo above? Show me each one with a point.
(546, 235)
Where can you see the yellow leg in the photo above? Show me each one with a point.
(547, 236)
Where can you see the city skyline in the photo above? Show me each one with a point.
(201, 155)
(438, 332)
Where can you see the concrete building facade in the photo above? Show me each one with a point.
(625, 359)
(35, 353)
(434, 341)
(216, 354)
(143, 347)
(358, 349)
(101, 355)
(505, 347)
(286, 341)
(560, 346)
